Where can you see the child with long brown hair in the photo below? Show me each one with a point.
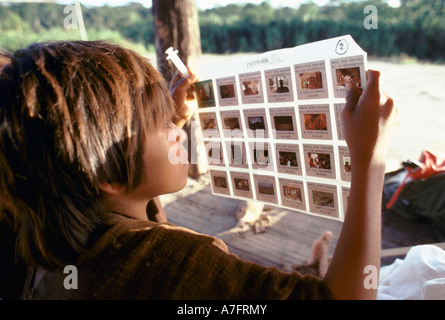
(84, 144)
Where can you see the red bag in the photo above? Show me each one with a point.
(430, 164)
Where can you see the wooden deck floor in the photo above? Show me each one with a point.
(291, 234)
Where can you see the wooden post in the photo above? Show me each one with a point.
(176, 25)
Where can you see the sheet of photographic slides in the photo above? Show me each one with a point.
(271, 125)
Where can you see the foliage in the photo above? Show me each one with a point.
(22, 24)
(416, 29)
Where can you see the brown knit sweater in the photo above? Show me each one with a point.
(145, 260)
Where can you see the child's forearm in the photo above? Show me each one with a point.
(360, 240)
(369, 120)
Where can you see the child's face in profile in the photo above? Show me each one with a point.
(162, 175)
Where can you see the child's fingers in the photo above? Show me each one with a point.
(373, 86)
(389, 109)
(352, 96)
(180, 81)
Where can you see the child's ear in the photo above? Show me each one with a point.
(111, 188)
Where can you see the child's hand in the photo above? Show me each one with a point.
(181, 90)
(369, 119)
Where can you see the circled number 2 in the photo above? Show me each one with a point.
(342, 47)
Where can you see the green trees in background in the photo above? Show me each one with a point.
(24, 23)
(415, 29)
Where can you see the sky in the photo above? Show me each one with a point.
(206, 4)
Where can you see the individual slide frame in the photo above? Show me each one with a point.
(288, 158)
(231, 124)
(219, 182)
(338, 109)
(345, 199)
(205, 94)
(209, 125)
(315, 122)
(214, 153)
(236, 154)
(292, 194)
(256, 123)
(311, 80)
(242, 186)
(266, 189)
(345, 163)
(323, 199)
(279, 85)
(283, 123)
(251, 88)
(261, 155)
(227, 94)
(319, 160)
(347, 69)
